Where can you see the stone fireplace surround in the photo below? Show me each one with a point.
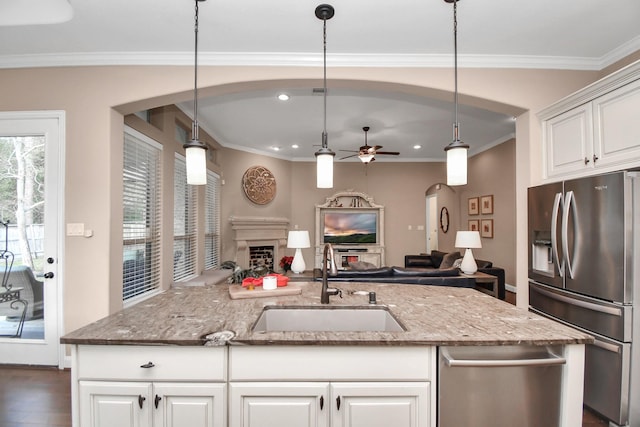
(252, 231)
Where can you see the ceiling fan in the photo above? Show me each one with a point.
(367, 153)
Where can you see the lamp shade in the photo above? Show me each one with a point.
(457, 166)
(324, 168)
(196, 160)
(468, 239)
(298, 239)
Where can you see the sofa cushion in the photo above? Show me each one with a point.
(448, 259)
(372, 272)
(425, 272)
(436, 258)
(484, 264)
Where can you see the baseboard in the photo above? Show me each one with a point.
(511, 288)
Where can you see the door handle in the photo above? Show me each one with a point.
(321, 403)
(141, 400)
(157, 400)
(554, 231)
(48, 275)
(552, 359)
(568, 207)
(338, 402)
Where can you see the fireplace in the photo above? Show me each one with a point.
(259, 239)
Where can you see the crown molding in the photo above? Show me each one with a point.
(313, 60)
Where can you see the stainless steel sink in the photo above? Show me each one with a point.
(327, 319)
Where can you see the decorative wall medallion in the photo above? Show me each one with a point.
(259, 185)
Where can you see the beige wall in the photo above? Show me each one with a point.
(89, 96)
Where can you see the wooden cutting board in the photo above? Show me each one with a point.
(238, 292)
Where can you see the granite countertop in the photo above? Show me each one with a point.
(432, 315)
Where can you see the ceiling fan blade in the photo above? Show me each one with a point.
(388, 153)
(342, 158)
(377, 147)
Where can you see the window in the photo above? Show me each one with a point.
(212, 221)
(141, 202)
(184, 223)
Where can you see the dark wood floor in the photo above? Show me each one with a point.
(37, 397)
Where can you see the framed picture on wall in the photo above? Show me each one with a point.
(474, 225)
(486, 205)
(486, 228)
(473, 206)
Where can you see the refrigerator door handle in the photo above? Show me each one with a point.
(554, 231)
(569, 204)
(579, 303)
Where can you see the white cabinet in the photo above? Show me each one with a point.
(130, 386)
(379, 404)
(617, 125)
(331, 386)
(569, 139)
(268, 404)
(594, 130)
(311, 404)
(132, 404)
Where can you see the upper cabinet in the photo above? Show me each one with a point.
(596, 129)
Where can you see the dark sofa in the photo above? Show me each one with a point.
(435, 259)
(419, 276)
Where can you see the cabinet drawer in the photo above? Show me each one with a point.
(114, 362)
(339, 363)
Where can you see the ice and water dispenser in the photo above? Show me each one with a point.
(542, 253)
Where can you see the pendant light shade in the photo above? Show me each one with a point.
(456, 150)
(324, 156)
(195, 150)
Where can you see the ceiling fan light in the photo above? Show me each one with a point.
(366, 158)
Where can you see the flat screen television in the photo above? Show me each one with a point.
(350, 227)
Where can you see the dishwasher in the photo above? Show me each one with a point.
(496, 386)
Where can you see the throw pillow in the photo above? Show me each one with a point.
(457, 263)
(448, 259)
(361, 265)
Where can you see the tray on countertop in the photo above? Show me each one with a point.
(238, 292)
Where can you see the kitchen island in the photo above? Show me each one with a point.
(190, 354)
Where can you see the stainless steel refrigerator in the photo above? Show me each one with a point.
(584, 245)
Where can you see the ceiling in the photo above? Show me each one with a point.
(572, 34)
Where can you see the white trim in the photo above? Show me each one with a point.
(305, 59)
(144, 138)
(511, 288)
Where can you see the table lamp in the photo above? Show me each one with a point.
(297, 240)
(468, 240)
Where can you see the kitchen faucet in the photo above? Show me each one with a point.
(326, 290)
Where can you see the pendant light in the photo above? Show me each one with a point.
(324, 156)
(456, 150)
(196, 150)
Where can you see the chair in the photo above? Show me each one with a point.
(32, 292)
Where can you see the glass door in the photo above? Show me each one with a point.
(31, 179)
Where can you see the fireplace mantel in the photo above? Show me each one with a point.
(258, 231)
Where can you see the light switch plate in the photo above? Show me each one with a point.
(75, 229)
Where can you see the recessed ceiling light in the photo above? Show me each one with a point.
(417, 147)
(275, 148)
(283, 97)
(295, 146)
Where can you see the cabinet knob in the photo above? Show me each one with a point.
(141, 400)
(595, 158)
(321, 403)
(147, 365)
(157, 400)
(338, 402)
(586, 161)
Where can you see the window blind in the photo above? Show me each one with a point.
(141, 201)
(212, 221)
(184, 223)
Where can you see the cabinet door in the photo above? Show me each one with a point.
(109, 404)
(192, 405)
(617, 128)
(278, 404)
(569, 141)
(380, 404)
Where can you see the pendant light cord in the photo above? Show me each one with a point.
(456, 135)
(194, 129)
(324, 42)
